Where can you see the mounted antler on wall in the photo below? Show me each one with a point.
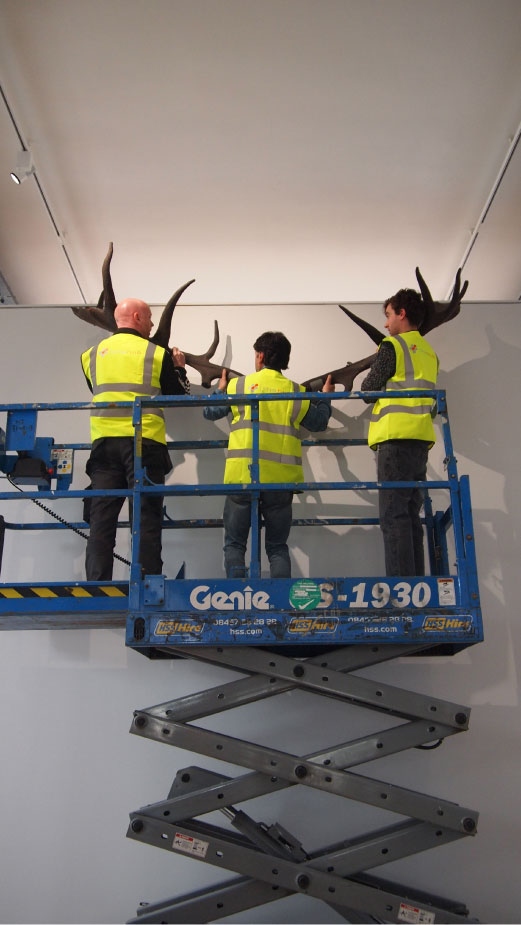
(103, 315)
(436, 313)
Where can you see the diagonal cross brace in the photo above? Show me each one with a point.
(258, 687)
(371, 694)
(295, 769)
(231, 852)
(215, 795)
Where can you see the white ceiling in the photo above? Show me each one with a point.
(276, 150)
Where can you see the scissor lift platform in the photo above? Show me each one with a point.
(327, 611)
(309, 634)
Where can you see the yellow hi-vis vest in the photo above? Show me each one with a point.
(280, 451)
(406, 418)
(121, 368)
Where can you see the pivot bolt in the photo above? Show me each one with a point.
(461, 718)
(140, 721)
(298, 671)
(136, 825)
(469, 824)
(301, 771)
(303, 881)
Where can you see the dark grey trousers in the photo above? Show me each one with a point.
(402, 461)
(111, 465)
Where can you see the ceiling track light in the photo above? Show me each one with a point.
(24, 167)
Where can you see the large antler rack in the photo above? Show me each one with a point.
(436, 313)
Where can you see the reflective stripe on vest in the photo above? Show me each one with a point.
(137, 363)
(407, 418)
(280, 456)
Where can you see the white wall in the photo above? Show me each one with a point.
(70, 773)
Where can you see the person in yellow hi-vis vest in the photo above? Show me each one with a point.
(401, 430)
(280, 453)
(120, 368)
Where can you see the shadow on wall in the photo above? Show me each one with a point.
(485, 430)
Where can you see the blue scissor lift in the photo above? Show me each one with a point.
(283, 635)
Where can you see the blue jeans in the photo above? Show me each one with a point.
(275, 507)
(402, 461)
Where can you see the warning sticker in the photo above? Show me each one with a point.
(189, 845)
(446, 592)
(414, 914)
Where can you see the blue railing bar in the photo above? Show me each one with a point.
(64, 406)
(446, 519)
(197, 523)
(212, 489)
(469, 538)
(135, 567)
(219, 444)
(186, 400)
(242, 399)
(75, 493)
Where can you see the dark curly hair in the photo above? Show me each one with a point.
(411, 302)
(276, 349)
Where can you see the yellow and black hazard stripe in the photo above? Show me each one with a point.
(44, 591)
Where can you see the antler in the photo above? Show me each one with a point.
(346, 375)
(201, 362)
(103, 315)
(437, 313)
(162, 335)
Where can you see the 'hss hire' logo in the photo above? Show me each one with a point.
(202, 599)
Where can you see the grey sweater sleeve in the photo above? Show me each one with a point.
(383, 368)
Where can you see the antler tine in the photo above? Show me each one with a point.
(94, 316)
(103, 315)
(345, 375)
(424, 289)
(437, 313)
(109, 299)
(201, 362)
(215, 343)
(162, 335)
(375, 335)
(457, 294)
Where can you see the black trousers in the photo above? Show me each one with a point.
(400, 523)
(111, 465)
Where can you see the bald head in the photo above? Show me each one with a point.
(133, 313)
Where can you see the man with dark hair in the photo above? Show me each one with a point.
(276, 349)
(280, 455)
(401, 430)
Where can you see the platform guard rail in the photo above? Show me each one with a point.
(441, 607)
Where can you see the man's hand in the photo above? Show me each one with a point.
(328, 385)
(178, 357)
(223, 381)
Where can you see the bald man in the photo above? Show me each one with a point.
(120, 368)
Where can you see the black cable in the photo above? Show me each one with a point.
(60, 519)
(428, 748)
